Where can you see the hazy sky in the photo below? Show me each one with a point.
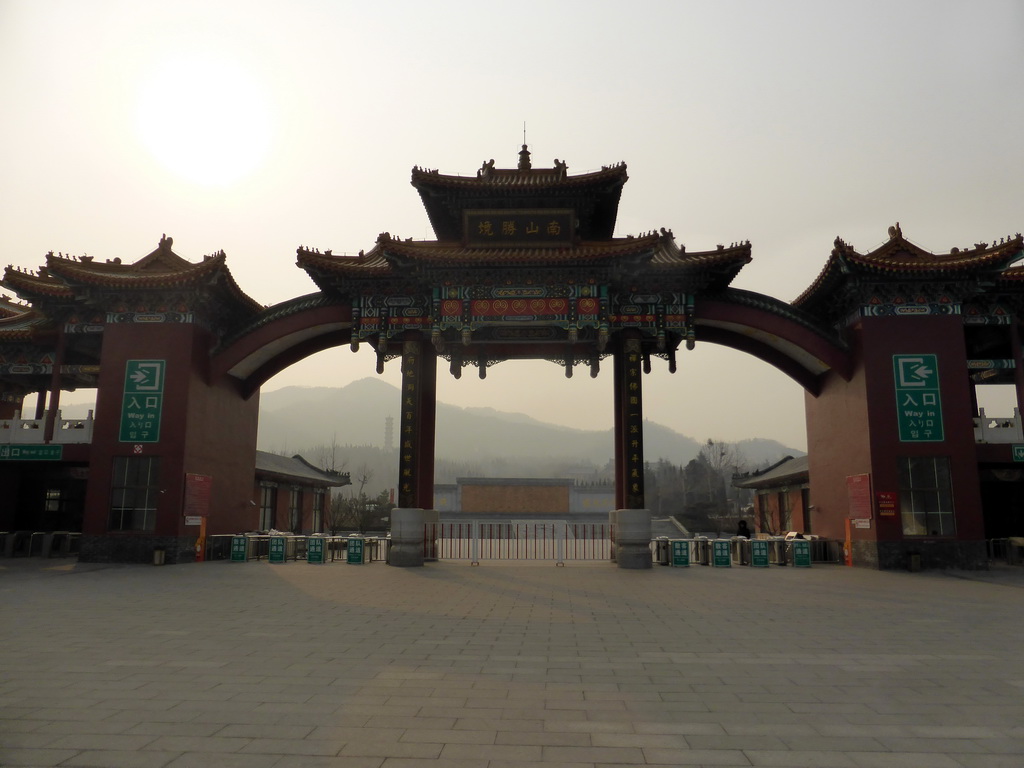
(256, 127)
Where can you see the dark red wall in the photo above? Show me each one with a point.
(942, 336)
(205, 429)
(838, 445)
(852, 426)
(221, 442)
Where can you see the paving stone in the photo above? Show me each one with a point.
(509, 665)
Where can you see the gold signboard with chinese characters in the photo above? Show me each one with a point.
(549, 228)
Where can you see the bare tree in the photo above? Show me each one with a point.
(721, 456)
(358, 511)
(326, 456)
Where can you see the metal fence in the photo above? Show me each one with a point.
(476, 540)
(1009, 550)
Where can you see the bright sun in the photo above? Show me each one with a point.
(205, 119)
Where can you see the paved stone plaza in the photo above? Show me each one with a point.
(449, 666)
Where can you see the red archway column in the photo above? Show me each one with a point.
(51, 414)
(629, 424)
(618, 375)
(1018, 359)
(428, 422)
(419, 405)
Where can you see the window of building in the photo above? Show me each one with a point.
(318, 510)
(295, 510)
(54, 498)
(268, 505)
(134, 493)
(926, 496)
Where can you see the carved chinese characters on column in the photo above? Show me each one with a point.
(634, 425)
(410, 424)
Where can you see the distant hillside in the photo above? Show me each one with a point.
(759, 451)
(296, 418)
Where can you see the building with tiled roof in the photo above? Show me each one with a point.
(292, 494)
(781, 496)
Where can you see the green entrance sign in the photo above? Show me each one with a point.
(722, 553)
(1018, 452)
(680, 553)
(314, 550)
(759, 553)
(143, 400)
(239, 549)
(918, 402)
(801, 553)
(31, 452)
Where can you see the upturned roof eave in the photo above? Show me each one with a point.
(657, 253)
(533, 179)
(845, 264)
(28, 285)
(211, 273)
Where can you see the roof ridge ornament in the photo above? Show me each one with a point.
(895, 232)
(524, 159)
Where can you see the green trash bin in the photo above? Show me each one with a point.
(356, 551)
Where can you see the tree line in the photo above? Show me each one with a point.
(698, 493)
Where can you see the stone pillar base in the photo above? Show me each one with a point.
(406, 538)
(633, 538)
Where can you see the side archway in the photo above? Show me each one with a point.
(280, 336)
(772, 331)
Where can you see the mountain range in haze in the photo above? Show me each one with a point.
(299, 418)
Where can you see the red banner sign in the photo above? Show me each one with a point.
(197, 495)
(888, 503)
(858, 491)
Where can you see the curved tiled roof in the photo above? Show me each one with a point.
(35, 284)
(114, 274)
(21, 325)
(160, 270)
(1012, 275)
(516, 178)
(898, 258)
(9, 308)
(297, 468)
(787, 471)
(593, 196)
(389, 254)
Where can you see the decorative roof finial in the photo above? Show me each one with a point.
(524, 159)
